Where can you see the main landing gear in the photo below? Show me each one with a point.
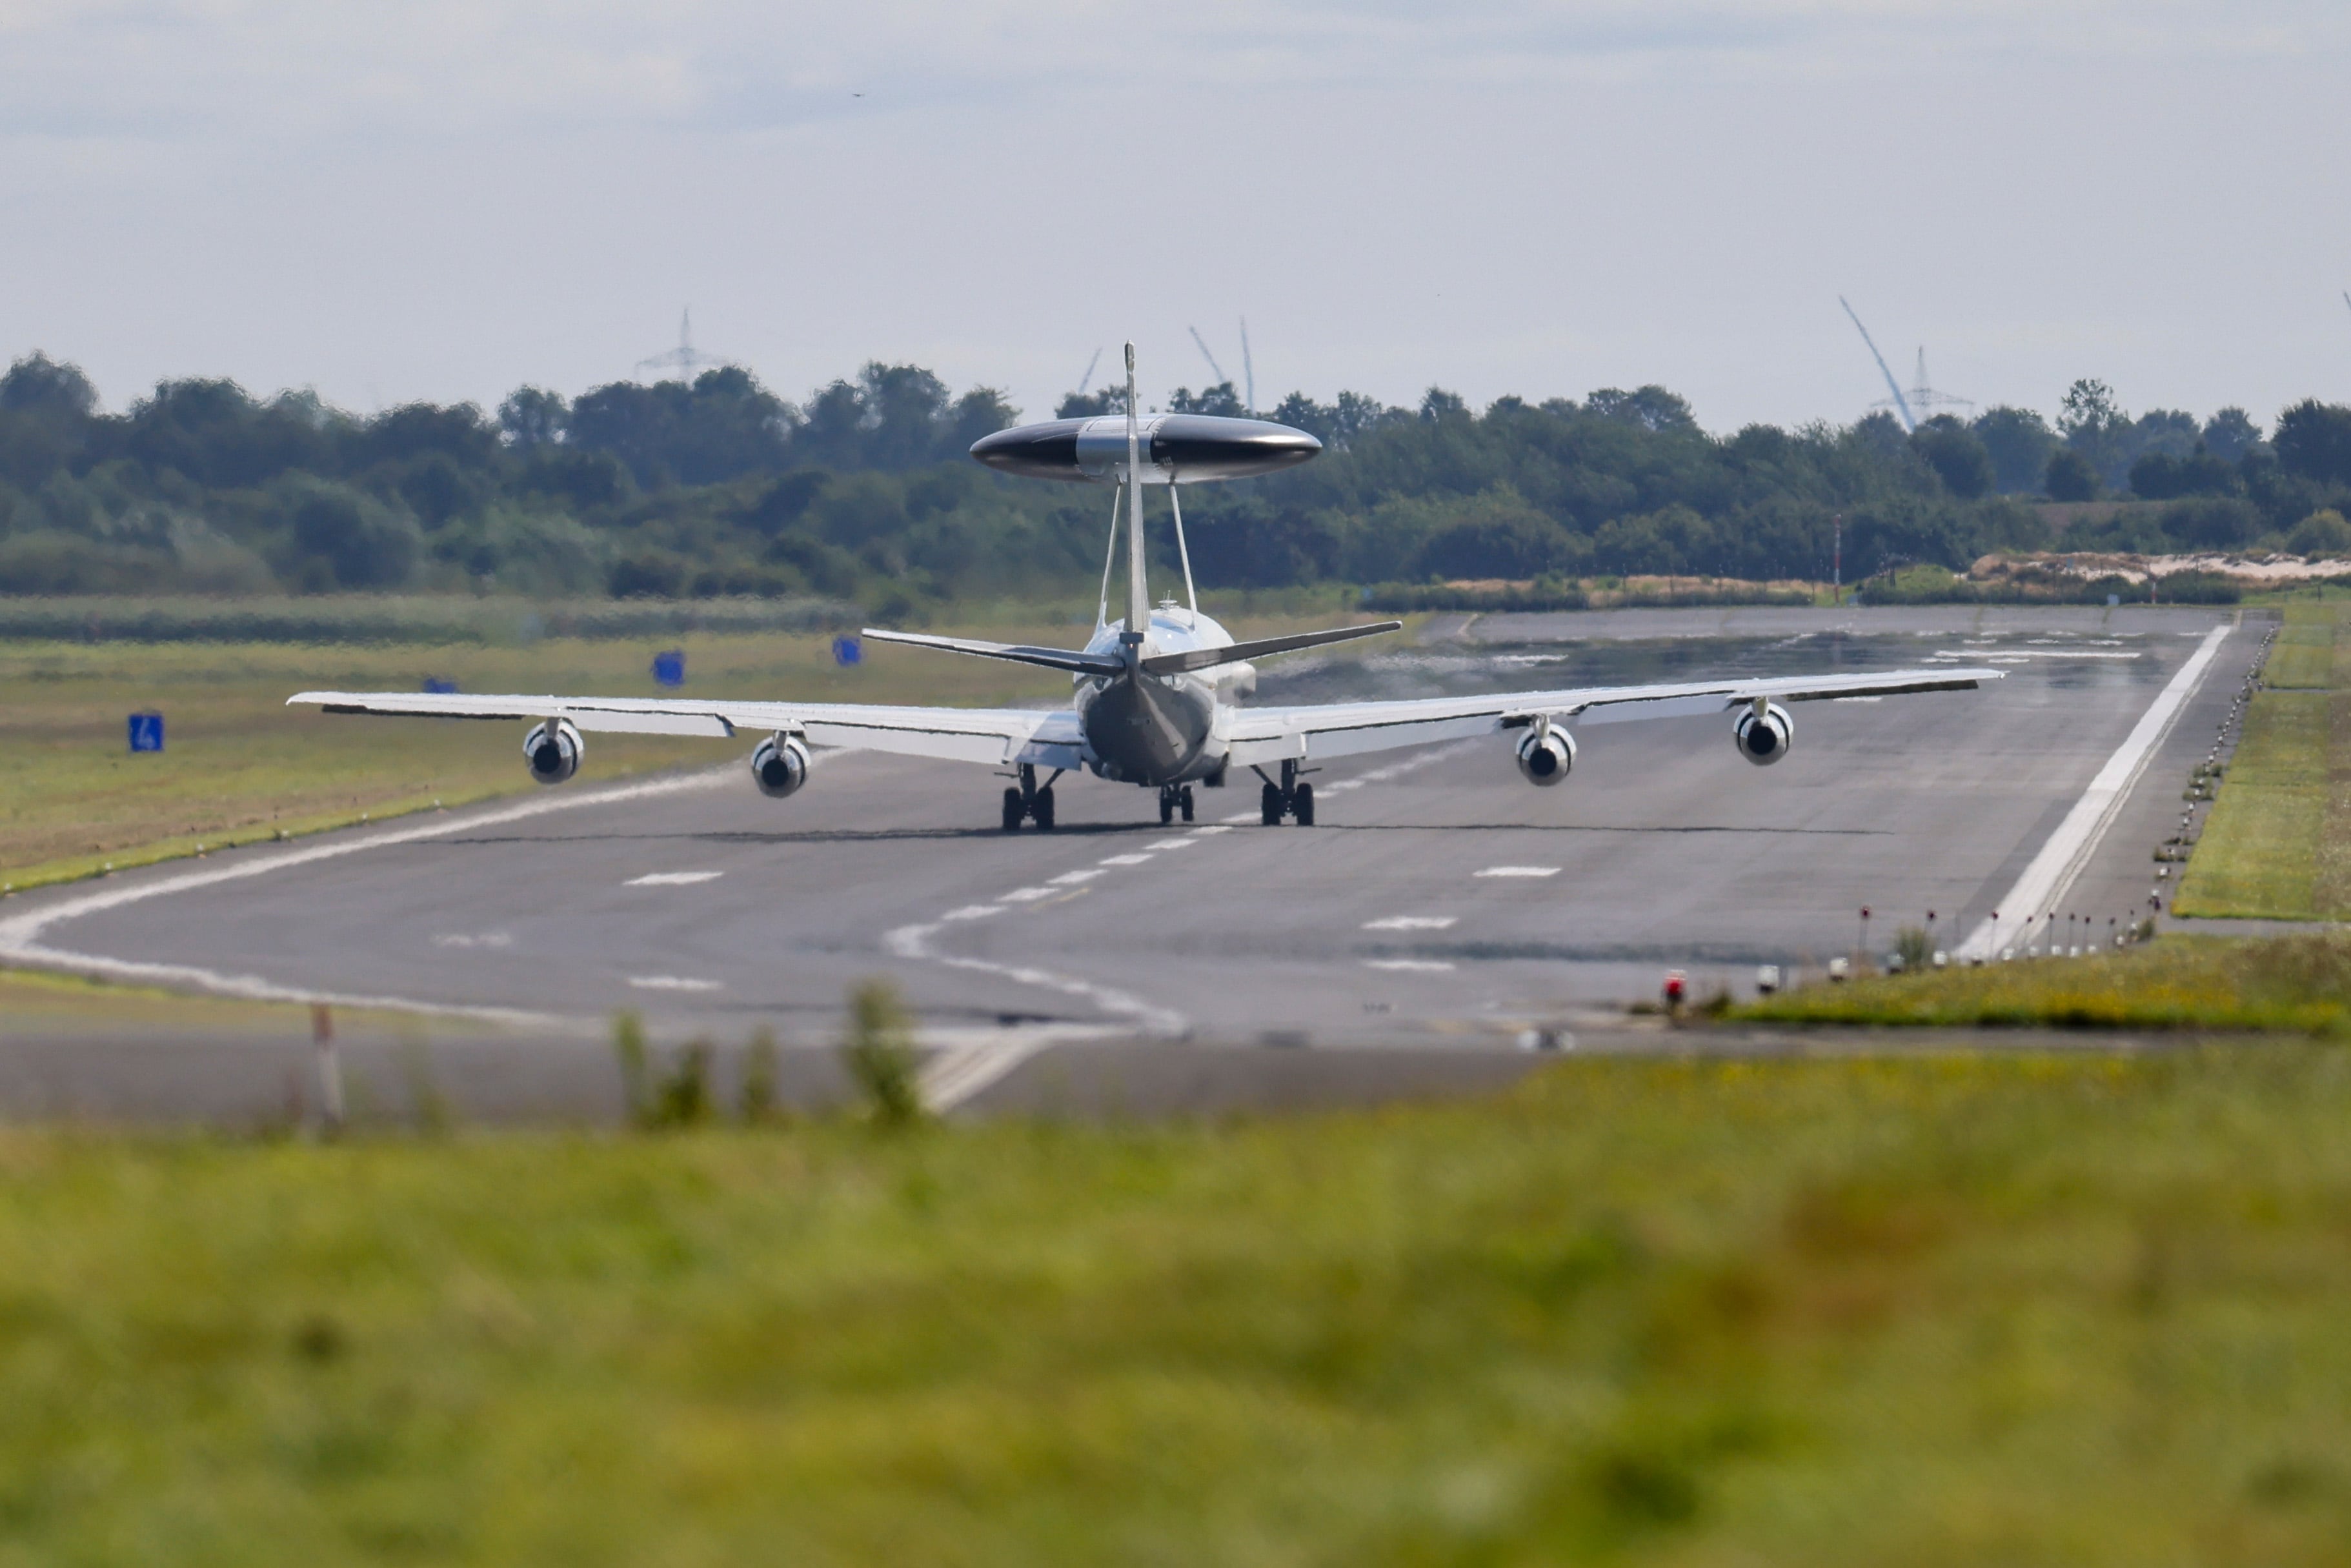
(1029, 802)
(1175, 798)
(1291, 798)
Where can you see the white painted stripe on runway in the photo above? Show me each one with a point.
(1203, 832)
(1123, 860)
(1410, 965)
(2052, 873)
(914, 942)
(2007, 655)
(1171, 844)
(1411, 923)
(20, 934)
(672, 878)
(1071, 878)
(1025, 894)
(1520, 871)
(673, 983)
(973, 912)
(1240, 817)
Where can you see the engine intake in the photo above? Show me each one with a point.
(554, 750)
(1764, 737)
(780, 766)
(1546, 756)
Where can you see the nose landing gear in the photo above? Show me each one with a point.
(1293, 798)
(1175, 798)
(1029, 801)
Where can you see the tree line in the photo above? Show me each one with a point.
(718, 486)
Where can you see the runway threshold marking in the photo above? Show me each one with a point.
(672, 878)
(2052, 873)
(20, 934)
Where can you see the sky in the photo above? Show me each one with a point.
(445, 200)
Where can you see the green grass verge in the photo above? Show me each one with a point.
(2298, 983)
(1930, 1310)
(242, 766)
(2278, 843)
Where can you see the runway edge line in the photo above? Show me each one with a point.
(2052, 873)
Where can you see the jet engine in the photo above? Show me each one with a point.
(1763, 736)
(780, 766)
(1546, 755)
(553, 750)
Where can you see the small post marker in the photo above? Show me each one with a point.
(330, 1067)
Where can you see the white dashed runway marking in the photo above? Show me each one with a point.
(673, 983)
(1410, 923)
(1410, 965)
(672, 878)
(1520, 871)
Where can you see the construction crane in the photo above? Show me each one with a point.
(1222, 379)
(1088, 378)
(685, 358)
(1909, 422)
(1248, 370)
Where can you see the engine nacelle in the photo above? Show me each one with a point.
(1545, 756)
(780, 766)
(1764, 737)
(554, 750)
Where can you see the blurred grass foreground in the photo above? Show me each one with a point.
(2086, 1308)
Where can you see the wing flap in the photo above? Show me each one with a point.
(987, 736)
(1341, 730)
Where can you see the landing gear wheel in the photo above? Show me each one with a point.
(1184, 802)
(1013, 811)
(1268, 802)
(1301, 805)
(1166, 807)
(1042, 808)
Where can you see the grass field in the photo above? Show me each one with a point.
(2297, 983)
(1925, 1312)
(2278, 844)
(241, 766)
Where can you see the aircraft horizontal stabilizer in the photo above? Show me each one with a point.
(1075, 660)
(1233, 654)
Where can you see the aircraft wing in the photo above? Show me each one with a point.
(1261, 734)
(992, 736)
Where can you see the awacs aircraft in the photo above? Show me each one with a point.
(1156, 693)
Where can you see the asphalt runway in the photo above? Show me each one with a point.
(1441, 909)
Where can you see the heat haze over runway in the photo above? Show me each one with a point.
(1439, 899)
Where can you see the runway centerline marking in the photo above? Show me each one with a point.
(961, 1071)
(675, 983)
(1410, 965)
(1520, 871)
(2050, 873)
(1412, 923)
(495, 939)
(672, 878)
